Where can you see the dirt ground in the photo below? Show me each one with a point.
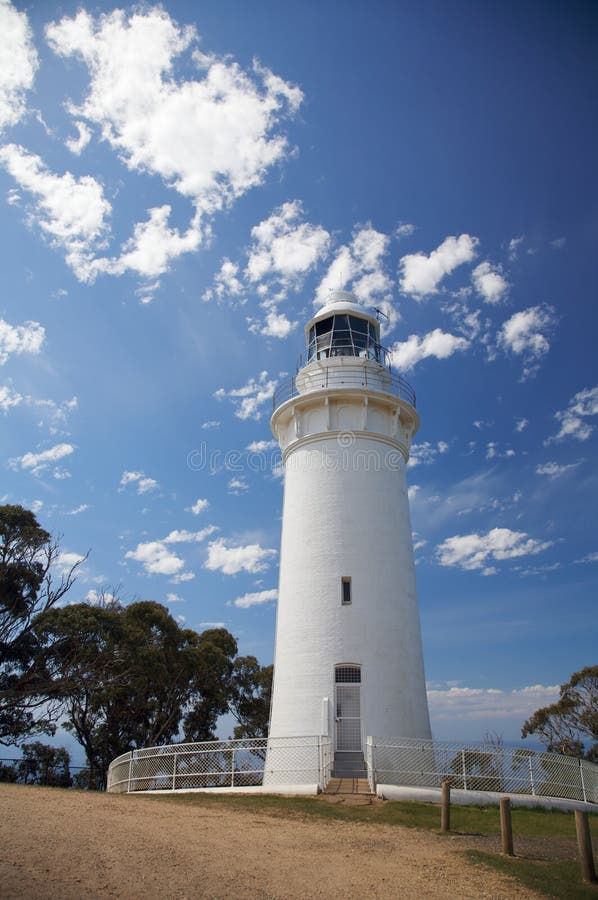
(71, 845)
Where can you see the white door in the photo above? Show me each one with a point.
(348, 708)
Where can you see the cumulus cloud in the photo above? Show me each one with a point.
(211, 424)
(198, 507)
(18, 339)
(572, 420)
(527, 334)
(77, 145)
(156, 558)
(255, 599)
(276, 325)
(285, 247)
(237, 486)
(9, 398)
(143, 483)
(18, 63)
(211, 139)
(71, 212)
(36, 463)
(426, 453)
(261, 446)
(521, 425)
(226, 282)
(360, 267)
(554, 470)
(421, 275)
(489, 282)
(473, 552)
(484, 703)
(231, 560)
(439, 344)
(250, 398)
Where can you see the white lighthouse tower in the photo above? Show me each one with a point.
(348, 660)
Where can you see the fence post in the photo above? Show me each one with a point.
(130, 772)
(174, 771)
(464, 769)
(232, 766)
(531, 776)
(445, 813)
(506, 828)
(584, 844)
(583, 786)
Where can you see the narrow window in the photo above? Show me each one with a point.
(346, 590)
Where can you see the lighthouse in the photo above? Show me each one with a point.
(348, 658)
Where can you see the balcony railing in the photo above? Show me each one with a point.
(372, 377)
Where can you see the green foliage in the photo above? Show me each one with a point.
(570, 725)
(251, 690)
(43, 764)
(27, 588)
(130, 677)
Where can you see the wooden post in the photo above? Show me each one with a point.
(445, 813)
(506, 828)
(584, 843)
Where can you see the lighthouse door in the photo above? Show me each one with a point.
(348, 708)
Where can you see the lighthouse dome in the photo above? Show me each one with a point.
(343, 327)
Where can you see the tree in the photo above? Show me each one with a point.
(28, 587)
(130, 677)
(44, 764)
(570, 725)
(251, 690)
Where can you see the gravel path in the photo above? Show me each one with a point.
(72, 845)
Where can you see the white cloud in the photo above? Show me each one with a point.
(513, 248)
(261, 446)
(211, 139)
(572, 419)
(554, 470)
(183, 577)
(285, 247)
(156, 558)
(18, 63)
(489, 703)
(439, 344)
(251, 558)
(226, 282)
(71, 212)
(256, 598)
(37, 462)
(421, 274)
(527, 335)
(104, 597)
(213, 423)
(475, 551)
(589, 558)
(250, 398)
(66, 560)
(185, 537)
(489, 282)
(143, 482)
(558, 243)
(521, 424)
(360, 267)
(17, 339)
(77, 145)
(174, 598)
(198, 507)
(77, 510)
(426, 453)
(237, 486)
(405, 229)
(9, 398)
(277, 325)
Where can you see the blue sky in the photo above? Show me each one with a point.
(179, 189)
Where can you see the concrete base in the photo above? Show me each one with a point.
(480, 798)
(285, 790)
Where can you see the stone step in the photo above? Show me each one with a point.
(349, 765)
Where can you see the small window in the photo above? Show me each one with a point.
(345, 591)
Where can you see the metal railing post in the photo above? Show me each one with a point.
(464, 768)
(232, 767)
(531, 776)
(130, 771)
(583, 786)
(174, 771)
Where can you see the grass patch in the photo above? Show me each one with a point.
(464, 819)
(551, 878)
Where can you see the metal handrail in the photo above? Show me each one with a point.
(374, 378)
